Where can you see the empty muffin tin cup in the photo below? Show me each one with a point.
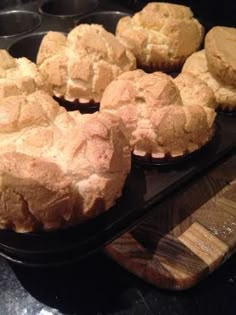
(17, 22)
(69, 8)
(108, 19)
(3, 4)
(27, 46)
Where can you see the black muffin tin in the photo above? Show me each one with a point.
(68, 8)
(55, 15)
(146, 185)
(108, 19)
(18, 22)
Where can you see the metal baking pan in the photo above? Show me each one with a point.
(18, 22)
(146, 186)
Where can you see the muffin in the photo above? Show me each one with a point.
(161, 36)
(220, 50)
(81, 65)
(194, 91)
(225, 94)
(57, 168)
(20, 76)
(158, 123)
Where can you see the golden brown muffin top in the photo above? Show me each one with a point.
(220, 49)
(162, 35)
(225, 94)
(81, 65)
(57, 167)
(152, 110)
(20, 76)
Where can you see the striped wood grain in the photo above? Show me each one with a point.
(187, 237)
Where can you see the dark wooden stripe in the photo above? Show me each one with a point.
(168, 263)
(155, 249)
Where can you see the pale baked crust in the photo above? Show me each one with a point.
(29, 196)
(194, 91)
(20, 76)
(156, 119)
(225, 94)
(161, 36)
(57, 168)
(220, 49)
(81, 65)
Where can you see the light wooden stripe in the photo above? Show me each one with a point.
(205, 245)
(228, 203)
(176, 273)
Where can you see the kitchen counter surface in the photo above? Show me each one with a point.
(99, 286)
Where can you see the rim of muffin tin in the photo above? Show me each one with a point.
(11, 47)
(36, 18)
(35, 34)
(66, 3)
(227, 112)
(68, 258)
(115, 15)
(105, 12)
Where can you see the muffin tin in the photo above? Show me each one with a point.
(146, 185)
(68, 8)
(108, 19)
(31, 41)
(17, 22)
(21, 45)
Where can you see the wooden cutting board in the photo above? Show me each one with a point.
(187, 237)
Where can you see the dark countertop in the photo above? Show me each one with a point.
(97, 285)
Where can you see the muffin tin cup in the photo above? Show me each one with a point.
(27, 46)
(67, 9)
(3, 4)
(108, 19)
(18, 22)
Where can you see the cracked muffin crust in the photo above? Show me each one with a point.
(20, 76)
(225, 94)
(220, 50)
(161, 36)
(81, 65)
(158, 123)
(194, 91)
(57, 168)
